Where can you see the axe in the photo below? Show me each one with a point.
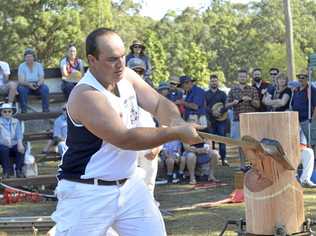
(270, 147)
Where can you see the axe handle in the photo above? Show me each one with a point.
(225, 140)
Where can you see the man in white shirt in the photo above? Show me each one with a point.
(7, 87)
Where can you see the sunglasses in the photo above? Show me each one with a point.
(273, 73)
(7, 111)
(137, 46)
(302, 77)
(140, 72)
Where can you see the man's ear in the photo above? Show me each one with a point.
(91, 59)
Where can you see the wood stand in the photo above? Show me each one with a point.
(282, 202)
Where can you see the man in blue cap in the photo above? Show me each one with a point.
(194, 102)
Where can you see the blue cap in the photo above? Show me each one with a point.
(184, 79)
(293, 84)
(163, 86)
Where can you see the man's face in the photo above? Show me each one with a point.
(187, 85)
(214, 83)
(273, 74)
(256, 75)
(303, 81)
(110, 64)
(29, 58)
(164, 92)
(242, 77)
(72, 52)
(137, 49)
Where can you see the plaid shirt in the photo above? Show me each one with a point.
(236, 93)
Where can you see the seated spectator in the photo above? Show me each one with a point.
(7, 88)
(138, 51)
(163, 89)
(31, 81)
(11, 141)
(281, 97)
(307, 159)
(139, 66)
(72, 69)
(171, 154)
(59, 134)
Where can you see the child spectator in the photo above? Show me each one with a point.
(11, 141)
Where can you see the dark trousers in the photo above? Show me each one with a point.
(219, 128)
(6, 153)
(66, 87)
(42, 91)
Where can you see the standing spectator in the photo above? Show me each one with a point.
(242, 98)
(72, 69)
(273, 74)
(31, 80)
(261, 86)
(194, 102)
(7, 88)
(300, 103)
(217, 113)
(138, 51)
(11, 143)
(280, 99)
(175, 93)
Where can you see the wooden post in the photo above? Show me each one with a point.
(279, 204)
(289, 39)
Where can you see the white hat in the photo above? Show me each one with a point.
(8, 106)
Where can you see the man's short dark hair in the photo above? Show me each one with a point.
(242, 71)
(213, 76)
(256, 69)
(91, 41)
(274, 68)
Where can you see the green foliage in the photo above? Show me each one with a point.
(157, 56)
(219, 39)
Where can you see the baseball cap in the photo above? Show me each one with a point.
(184, 79)
(135, 62)
(163, 86)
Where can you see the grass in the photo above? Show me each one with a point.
(177, 200)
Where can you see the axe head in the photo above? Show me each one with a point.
(269, 147)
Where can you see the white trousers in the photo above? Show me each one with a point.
(307, 158)
(85, 209)
(150, 167)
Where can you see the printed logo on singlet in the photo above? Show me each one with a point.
(130, 105)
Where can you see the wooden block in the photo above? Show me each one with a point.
(282, 202)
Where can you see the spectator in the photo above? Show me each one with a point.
(307, 159)
(300, 99)
(194, 102)
(31, 80)
(261, 86)
(217, 113)
(175, 94)
(138, 51)
(72, 69)
(163, 89)
(242, 98)
(60, 132)
(7, 88)
(273, 73)
(139, 66)
(11, 141)
(171, 154)
(280, 99)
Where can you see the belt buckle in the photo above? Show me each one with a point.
(95, 182)
(118, 183)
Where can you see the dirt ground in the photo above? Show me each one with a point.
(176, 203)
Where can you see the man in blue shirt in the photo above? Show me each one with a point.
(300, 103)
(194, 102)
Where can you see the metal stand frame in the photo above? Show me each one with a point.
(279, 229)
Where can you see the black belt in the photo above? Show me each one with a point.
(119, 182)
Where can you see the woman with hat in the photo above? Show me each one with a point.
(11, 141)
(138, 51)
